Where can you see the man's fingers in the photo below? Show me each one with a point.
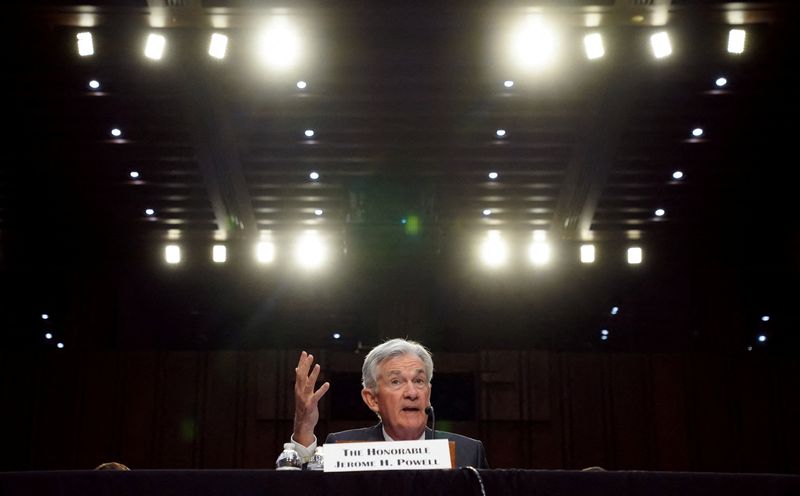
(302, 364)
(314, 374)
(321, 391)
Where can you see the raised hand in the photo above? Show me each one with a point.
(306, 400)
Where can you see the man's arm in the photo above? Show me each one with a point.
(306, 400)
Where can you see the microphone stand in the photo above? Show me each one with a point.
(429, 412)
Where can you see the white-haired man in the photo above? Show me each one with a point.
(396, 376)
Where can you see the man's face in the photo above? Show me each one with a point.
(403, 394)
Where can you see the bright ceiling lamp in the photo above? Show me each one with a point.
(265, 252)
(534, 43)
(172, 254)
(310, 251)
(661, 45)
(634, 255)
(85, 44)
(736, 39)
(587, 254)
(219, 253)
(539, 250)
(593, 44)
(154, 48)
(494, 251)
(218, 46)
(279, 44)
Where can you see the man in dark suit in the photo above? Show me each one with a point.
(396, 376)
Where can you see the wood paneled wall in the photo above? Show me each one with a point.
(534, 409)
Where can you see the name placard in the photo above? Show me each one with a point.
(398, 455)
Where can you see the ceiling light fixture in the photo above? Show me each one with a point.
(218, 46)
(736, 39)
(85, 44)
(661, 45)
(154, 48)
(593, 44)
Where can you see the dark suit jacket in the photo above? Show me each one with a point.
(469, 452)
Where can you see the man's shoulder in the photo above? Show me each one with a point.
(364, 434)
(458, 438)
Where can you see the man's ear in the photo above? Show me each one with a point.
(371, 399)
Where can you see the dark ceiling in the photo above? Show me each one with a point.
(405, 99)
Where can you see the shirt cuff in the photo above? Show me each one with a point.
(305, 452)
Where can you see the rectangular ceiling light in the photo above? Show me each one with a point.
(736, 40)
(218, 45)
(634, 255)
(154, 49)
(219, 254)
(172, 254)
(661, 44)
(593, 44)
(587, 254)
(85, 44)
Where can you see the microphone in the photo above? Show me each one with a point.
(429, 412)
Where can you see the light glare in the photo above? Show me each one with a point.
(539, 253)
(309, 133)
(720, 82)
(314, 175)
(279, 45)
(302, 85)
(534, 43)
(265, 252)
(677, 175)
(494, 251)
(310, 252)
(94, 84)
(493, 175)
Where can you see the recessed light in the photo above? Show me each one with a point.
(302, 85)
(309, 133)
(508, 84)
(493, 175)
(721, 81)
(500, 133)
(314, 175)
(697, 132)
